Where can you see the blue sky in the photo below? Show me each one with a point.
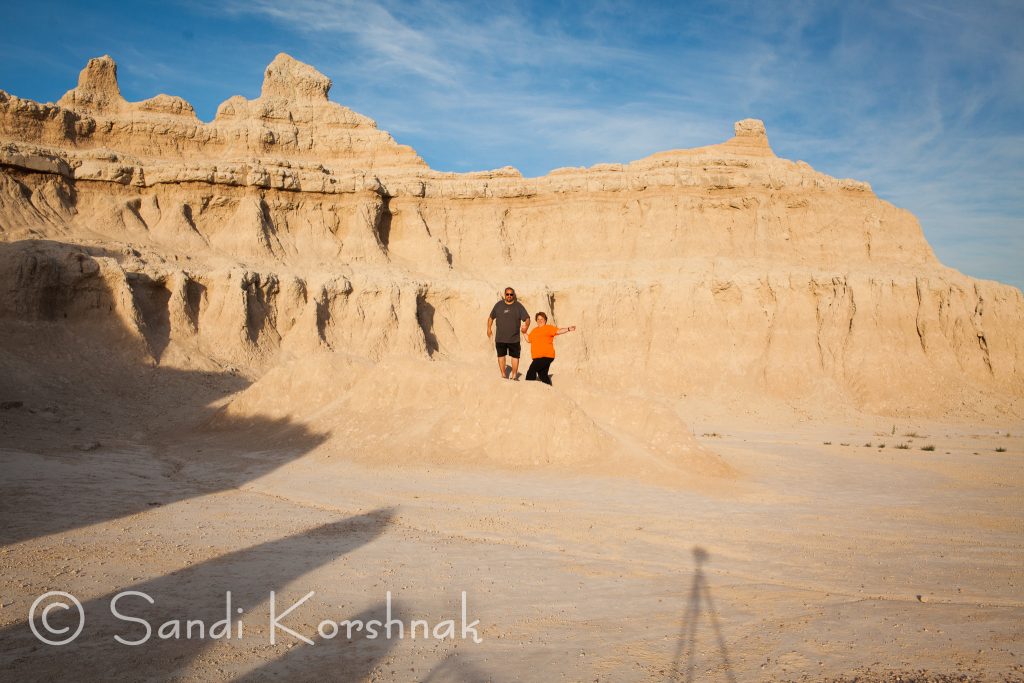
(924, 100)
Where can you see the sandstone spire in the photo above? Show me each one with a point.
(97, 87)
(288, 78)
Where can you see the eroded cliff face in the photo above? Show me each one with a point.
(290, 225)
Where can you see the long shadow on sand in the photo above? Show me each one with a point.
(337, 659)
(454, 669)
(699, 602)
(199, 593)
(91, 427)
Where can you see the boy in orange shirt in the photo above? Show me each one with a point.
(542, 348)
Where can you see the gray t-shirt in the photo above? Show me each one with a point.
(508, 319)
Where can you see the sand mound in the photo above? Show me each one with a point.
(416, 412)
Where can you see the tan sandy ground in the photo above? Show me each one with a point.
(822, 561)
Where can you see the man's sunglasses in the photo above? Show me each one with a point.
(509, 295)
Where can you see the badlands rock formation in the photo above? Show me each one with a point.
(292, 240)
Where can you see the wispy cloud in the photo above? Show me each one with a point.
(433, 40)
(388, 42)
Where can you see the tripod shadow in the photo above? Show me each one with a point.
(686, 649)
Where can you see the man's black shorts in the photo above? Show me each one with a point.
(508, 349)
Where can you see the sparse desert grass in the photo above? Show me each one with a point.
(712, 435)
(867, 445)
(881, 445)
(844, 444)
(827, 443)
(929, 447)
(1000, 450)
(914, 435)
(903, 446)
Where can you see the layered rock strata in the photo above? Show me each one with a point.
(290, 224)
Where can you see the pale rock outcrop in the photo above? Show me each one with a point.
(291, 224)
(291, 122)
(97, 89)
(294, 82)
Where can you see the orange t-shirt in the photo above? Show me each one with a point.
(542, 341)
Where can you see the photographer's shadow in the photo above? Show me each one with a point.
(193, 593)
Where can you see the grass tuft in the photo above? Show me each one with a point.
(903, 446)
(929, 447)
(1000, 450)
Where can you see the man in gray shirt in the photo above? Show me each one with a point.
(512, 320)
